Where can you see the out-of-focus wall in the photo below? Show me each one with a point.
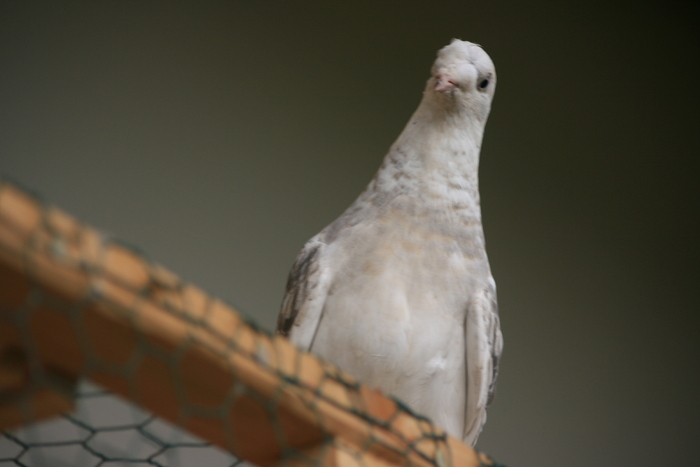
(219, 138)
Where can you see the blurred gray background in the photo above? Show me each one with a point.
(219, 138)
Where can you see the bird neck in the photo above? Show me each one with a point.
(435, 157)
(443, 138)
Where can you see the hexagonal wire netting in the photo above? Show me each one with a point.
(107, 431)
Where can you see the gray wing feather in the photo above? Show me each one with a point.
(484, 344)
(495, 344)
(303, 301)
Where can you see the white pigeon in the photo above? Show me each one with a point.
(398, 290)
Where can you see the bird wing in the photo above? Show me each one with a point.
(307, 288)
(484, 344)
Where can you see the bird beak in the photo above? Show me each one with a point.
(444, 83)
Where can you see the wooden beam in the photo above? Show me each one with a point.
(78, 304)
(25, 398)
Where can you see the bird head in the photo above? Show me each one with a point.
(463, 79)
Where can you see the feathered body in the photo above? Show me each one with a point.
(398, 290)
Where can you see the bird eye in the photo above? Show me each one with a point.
(484, 82)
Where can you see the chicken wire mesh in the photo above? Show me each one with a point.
(106, 430)
(80, 311)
